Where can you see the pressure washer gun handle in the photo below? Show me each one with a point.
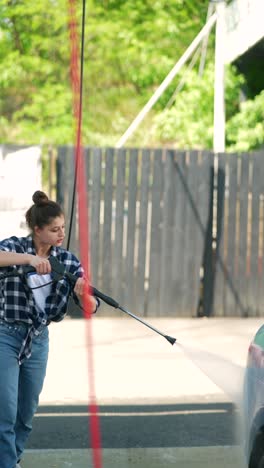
(29, 269)
(58, 268)
(107, 299)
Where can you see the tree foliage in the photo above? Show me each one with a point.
(245, 130)
(33, 74)
(189, 122)
(130, 46)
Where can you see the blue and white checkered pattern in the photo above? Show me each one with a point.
(16, 298)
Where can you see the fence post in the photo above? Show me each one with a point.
(208, 257)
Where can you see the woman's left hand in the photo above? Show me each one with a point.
(80, 289)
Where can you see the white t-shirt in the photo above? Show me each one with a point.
(42, 293)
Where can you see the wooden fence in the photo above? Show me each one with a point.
(239, 284)
(146, 242)
(173, 233)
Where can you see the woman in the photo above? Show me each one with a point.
(28, 303)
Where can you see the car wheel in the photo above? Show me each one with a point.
(257, 454)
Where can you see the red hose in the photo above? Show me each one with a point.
(81, 185)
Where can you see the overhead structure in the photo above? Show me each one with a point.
(244, 27)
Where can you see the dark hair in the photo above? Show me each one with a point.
(43, 211)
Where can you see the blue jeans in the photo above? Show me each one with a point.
(20, 387)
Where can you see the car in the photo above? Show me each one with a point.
(253, 402)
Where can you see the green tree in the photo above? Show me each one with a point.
(129, 48)
(245, 130)
(34, 61)
(189, 122)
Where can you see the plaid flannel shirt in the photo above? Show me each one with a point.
(16, 298)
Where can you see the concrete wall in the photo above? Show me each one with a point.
(20, 176)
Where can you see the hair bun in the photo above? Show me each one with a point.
(39, 198)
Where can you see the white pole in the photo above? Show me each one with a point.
(219, 85)
(204, 31)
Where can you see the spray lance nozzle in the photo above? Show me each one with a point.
(170, 339)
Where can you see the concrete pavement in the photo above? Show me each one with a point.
(197, 457)
(132, 365)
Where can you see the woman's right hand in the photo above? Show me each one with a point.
(41, 264)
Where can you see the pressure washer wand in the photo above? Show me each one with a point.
(168, 338)
(58, 268)
(110, 301)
